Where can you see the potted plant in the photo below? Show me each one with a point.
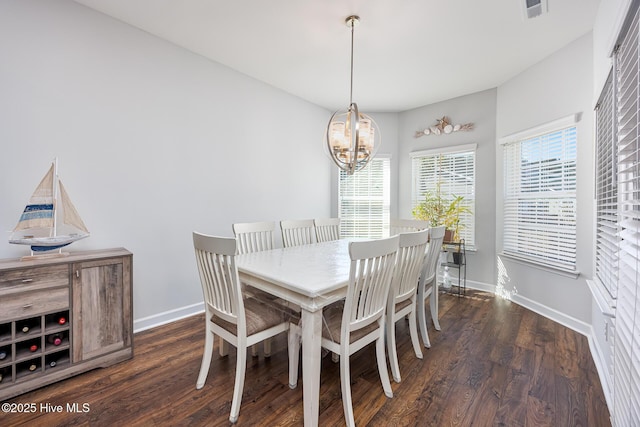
(443, 210)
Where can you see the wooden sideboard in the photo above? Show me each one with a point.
(63, 316)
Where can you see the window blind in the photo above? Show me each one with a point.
(627, 322)
(364, 200)
(540, 199)
(606, 192)
(453, 170)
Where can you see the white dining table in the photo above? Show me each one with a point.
(312, 277)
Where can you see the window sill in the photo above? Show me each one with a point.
(606, 304)
(574, 274)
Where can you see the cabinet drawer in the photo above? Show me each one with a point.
(32, 279)
(27, 304)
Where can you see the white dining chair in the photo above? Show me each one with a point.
(327, 229)
(254, 236)
(240, 322)
(428, 284)
(297, 232)
(403, 293)
(397, 226)
(360, 320)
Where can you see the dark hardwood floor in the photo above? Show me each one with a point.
(493, 364)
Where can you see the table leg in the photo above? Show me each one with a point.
(311, 359)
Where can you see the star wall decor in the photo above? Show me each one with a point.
(443, 126)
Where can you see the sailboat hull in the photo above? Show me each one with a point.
(43, 244)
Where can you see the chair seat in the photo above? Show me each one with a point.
(333, 324)
(403, 304)
(260, 317)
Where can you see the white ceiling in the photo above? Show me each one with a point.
(408, 53)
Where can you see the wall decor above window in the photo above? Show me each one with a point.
(442, 127)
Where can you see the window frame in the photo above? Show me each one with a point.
(539, 259)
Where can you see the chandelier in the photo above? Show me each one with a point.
(352, 137)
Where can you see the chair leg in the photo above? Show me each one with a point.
(433, 302)
(267, 347)
(295, 335)
(382, 365)
(241, 367)
(206, 359)
(391, 347)
(413, 331)
(421, 318)
(224, 348)
(345, 385)
(254, 350)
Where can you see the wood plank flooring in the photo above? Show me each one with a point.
(493, 364)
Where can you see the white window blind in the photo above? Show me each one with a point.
(606, 192)
(453, 170)
(627, 322)
(540, 199)
(364, 200)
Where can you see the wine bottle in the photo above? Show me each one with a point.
(55, 339)
(62, 320)
(3, 354)
(33, 348)
(25, 328)
(0, 377)
(52, 363)
(33, 367)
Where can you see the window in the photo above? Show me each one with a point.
(452, 171)
(540, 195)
(626, 377)
(364, 200)
(606, 192)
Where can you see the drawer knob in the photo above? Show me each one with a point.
(27, 306)
(27, 280)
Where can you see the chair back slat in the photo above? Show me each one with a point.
(436, 236)
(327, 229)
(215, 257)
(297, 232)
(411, 258)
(372, 265)
(254, 236)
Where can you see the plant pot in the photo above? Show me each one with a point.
(448, 236)
(458, 258)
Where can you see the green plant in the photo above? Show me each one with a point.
(442, 210)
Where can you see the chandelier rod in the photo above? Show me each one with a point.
(352, 23)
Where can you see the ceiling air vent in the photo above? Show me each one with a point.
(533, 8)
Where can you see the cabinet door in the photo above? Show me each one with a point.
(101, 307)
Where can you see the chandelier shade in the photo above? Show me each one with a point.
(352, 138)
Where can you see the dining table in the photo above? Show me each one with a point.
(310, 276)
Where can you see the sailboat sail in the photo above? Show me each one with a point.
(71, 216)
(38, 225)
(39, 212)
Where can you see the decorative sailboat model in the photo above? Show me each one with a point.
(49, 221)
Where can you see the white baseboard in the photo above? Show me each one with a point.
(553, 314)
(601, 367)
(169, 316)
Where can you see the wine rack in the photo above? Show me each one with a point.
(63, 316)
(27, 350)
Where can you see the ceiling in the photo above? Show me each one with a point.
(408, 53)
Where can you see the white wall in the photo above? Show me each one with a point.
(153, 142)
(478, 108)
(556, 87)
